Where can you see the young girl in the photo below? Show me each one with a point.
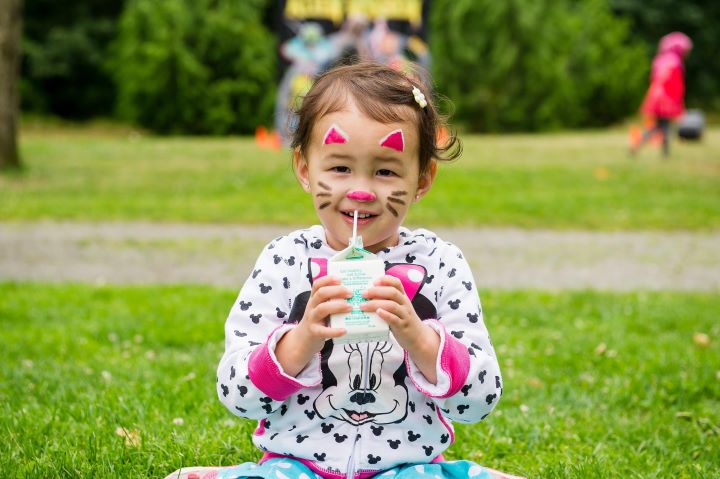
(365, 142)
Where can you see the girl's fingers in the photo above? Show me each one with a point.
(325, 309)
(327, 332)
(327, 293)
(391, 281)
(389, 306)
(385, 292)
(388, 317)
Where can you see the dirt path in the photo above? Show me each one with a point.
(223, 255)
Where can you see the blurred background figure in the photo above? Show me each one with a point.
(665, 99)
(315, 36)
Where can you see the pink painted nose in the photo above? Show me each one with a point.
(358, 195)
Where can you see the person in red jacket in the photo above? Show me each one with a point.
(664, 100)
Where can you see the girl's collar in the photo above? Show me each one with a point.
(318, 231)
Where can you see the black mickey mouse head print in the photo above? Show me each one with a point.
(466, 389)
(319, 457)
(280, 313)
(428, 450)
(302, 399)
(377, 430)
(429, 278)
(283, 409)
(265, 289)
(255, 318)
(242, 390)
(409, 258)
(412, 437)
(462, 408)
(373, 459)
(255, 273)
(454, 304)
(393, 443)
(232, 372)
(467, 284)
(290, 261)
(339, 437)
(310, 414)
(472, 317)
(245, 306)
(225, 390)
(490, 398)
(457, 334)
(326, 428)
(286, 283)
(427, 418)
(444, 438)
(276, 259)
(239, 334)
(481, 376)
(497, 382)
(451, 273)
(412, 406)
(316, 244)
(300, 438)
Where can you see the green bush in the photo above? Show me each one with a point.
(195, 66)
(64, 65)
(535, 64)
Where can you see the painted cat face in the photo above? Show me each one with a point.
(356, 163)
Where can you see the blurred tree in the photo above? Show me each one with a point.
(10, 31)
(195, 66)
(65, 70)
(535, 64)
(700, 20)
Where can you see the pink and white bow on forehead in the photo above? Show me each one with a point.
(394, 140)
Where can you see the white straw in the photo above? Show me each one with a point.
(354, 236)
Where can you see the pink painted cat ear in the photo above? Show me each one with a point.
(394, 140)
(335, 135)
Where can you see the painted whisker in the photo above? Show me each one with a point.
(324, 205)
(323, 186)
(392, 210)
(399, 193)
(396, 200)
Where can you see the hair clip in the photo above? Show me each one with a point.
(419, 97)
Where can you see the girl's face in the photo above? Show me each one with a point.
(356, 163)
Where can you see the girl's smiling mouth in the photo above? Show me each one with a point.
(363, 217)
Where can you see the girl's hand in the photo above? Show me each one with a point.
(297, 347)
(387, 298)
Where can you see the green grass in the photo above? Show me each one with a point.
(81, 361)
(569, 180)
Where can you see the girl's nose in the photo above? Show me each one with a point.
(359, 195)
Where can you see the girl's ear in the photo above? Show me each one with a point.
(302, 172)
(426, 180)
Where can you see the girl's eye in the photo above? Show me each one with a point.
(341, 169)
(385, 173)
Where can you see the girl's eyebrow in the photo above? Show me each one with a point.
(339, 156)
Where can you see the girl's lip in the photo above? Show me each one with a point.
(361, 221)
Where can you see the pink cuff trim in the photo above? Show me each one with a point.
(452, 367)
(267, 374)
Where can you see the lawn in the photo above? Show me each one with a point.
(581, 180)
(119, 382)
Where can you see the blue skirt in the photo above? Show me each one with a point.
(283, 468)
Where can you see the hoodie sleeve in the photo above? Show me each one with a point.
(250, 381)
(469, 383)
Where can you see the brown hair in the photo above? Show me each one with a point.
(378, 91)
